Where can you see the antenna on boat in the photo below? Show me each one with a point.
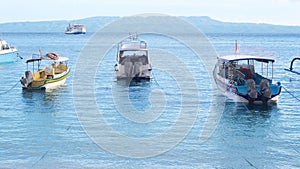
(136, 35)
(236, 47)
(130, 35)
(40, 53)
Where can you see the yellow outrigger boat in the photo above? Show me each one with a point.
(49, 77)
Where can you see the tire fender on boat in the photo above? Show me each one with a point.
(246, 72)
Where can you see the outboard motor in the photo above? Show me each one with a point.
(138, 69)
(265, 90)
(27, 80)
(252, 92)
(28, 76)
(128, 69)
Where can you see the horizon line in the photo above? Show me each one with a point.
(237, 22)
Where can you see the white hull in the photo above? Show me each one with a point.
(7, 54)
(75, 32)
(55, 85)
(8, 57)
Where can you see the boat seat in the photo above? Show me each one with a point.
(125, 59)
(257, 77)
(143, 59)
(40, 75)
(29, 76)
(60, 68)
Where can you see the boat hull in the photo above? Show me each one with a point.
(49, 84)
(8, 57)
(231, 91)
(75, 33)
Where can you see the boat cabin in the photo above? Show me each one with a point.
(135, 52)
(4, 45)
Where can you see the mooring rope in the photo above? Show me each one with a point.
(7, 91)
(290, 93)
(155, 81)
(293, 147)
(51, 147)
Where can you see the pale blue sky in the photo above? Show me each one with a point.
(284, 12)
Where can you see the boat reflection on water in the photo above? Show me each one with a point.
(262, 108)
(257, 111)
(133, 82)
(127, 92)
(41, 101)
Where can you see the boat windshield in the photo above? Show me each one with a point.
(5, 47)
(132, 53)
(133, 56)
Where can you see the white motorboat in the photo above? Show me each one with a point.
(8, 54)
(50, 76)
(132, 59)
(237, 77)
(75, 29)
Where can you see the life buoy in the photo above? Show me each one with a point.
(246, 72)
(52, 55)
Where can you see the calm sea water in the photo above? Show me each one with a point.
(41, 129)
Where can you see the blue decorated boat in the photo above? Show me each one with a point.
(246, 78)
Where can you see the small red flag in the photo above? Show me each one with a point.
(236, 47)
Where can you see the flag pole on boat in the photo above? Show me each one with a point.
(40, 52)
(236, 48)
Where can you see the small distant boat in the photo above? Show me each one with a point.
(50, 76)
(132, 59)
(75, 29)
(8, 54)
(236, 76)
(291, 67)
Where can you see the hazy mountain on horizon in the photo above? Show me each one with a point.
(204, 23)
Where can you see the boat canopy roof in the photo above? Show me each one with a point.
(33, 60)
(133, 45)
(60, 59)
(78, 25)
(229, 58)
